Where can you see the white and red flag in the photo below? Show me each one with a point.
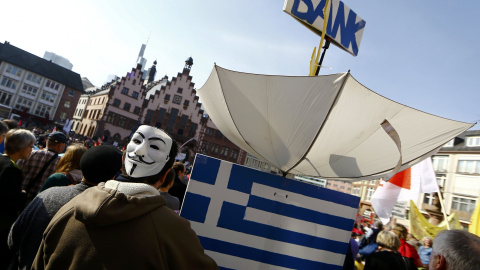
(404, 186)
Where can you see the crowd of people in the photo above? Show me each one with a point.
(68, 205)
(375, 247)
(94, 207)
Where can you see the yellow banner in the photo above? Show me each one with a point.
(475, 221)
(420, 227)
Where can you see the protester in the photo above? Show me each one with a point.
(172, 201)
(425, 251)
(455, 249)
(368, 245)
(405, 249)
(125, 225)
(179, 188)
(98, 164)
(41, 164)
(18, 144)
(4, 127)
(387, 256)
(349, 263)
(68, 168)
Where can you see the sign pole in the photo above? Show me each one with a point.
(325, 48)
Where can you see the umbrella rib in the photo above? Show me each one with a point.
(321, 127)
(233, 121)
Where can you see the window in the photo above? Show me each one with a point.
(136, 110)
(440, 163)
(10, 83)
(215, 148)
(126, 106)
(234, 154)
(449, 144)
(71, 93)
(356, 191)
(52, 85)
(428, 198)
(122, 121)
(135, 94)
(29, 90)
(23, 103)
(125, 91)
(463, 204)
(63, 116)
(47, 96)
(205, 147)
(14, 70)
(5, 98)
(469, 166)
(209, 131)
(134, 82)
(177, 99)
(473, 141)
(67, 104)
(224, 151)
(172, 119)
(193, 130)
(148, 117)
(34, 78)
(116, 102)
(42, 110)
(186, 102)
(370, 192)
(179, 90)
(111, 117)
(183, 121)
(218, 135)
(167, 97)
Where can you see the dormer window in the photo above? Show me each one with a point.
(473, 141)
(449, 144)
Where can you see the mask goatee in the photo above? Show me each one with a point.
(133, 168)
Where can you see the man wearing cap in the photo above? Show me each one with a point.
(98, 164)
(41, 164)
(125, 225)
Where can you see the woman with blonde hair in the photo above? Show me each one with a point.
(387, 255)
(68, 168)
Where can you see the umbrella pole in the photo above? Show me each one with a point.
(443, 209)
(327, 44)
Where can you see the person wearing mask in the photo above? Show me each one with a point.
(125, 224)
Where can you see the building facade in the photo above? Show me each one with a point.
(41, 92)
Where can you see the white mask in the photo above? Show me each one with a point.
(147, 152)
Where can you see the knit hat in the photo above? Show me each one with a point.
(101, 163)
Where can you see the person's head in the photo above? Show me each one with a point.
(149, 155)
(179, 169)
(410, 236)
(168, 182)
(455, 249)
(57, 141)
(71, 159)
(11, 124)
(19, 143)
(427, 241)
(389, 240)
(379, 224)
(3, 131)
(101, 163)
(400, 230)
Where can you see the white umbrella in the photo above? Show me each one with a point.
(324, 126)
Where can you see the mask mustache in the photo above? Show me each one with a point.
(139, 159)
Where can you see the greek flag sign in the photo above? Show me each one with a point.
(248, 219)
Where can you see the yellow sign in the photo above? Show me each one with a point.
(420, 227)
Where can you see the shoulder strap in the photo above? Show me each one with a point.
(39, 174)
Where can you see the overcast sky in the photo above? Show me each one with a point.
(423, 54)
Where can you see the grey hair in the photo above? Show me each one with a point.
(17, 140)
(461, 249)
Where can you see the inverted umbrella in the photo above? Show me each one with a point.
(328, 126)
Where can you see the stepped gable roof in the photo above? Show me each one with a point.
(46, 68)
